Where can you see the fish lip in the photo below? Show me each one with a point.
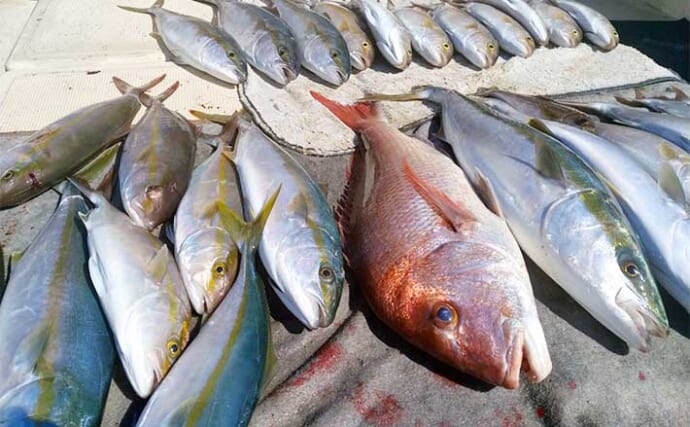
(515, 361)
(288, 73)
(646, 323)
(358, 62)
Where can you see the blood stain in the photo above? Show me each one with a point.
(383, 411)
(324, 360)
(572, 385)
(540, 412)
(642, 376)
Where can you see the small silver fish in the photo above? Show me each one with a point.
(321, 47)
(511, 36)
(598, 29)
(362, 51)
(470, 38)
(197, 43)
(392, 38)
(562, 28)
(675, 107)
(428, 38)
(524, 14)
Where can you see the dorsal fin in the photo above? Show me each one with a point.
(546, 160)
(458, 217)
(667, 152)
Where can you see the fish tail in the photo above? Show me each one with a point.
(148, 10)
(244, 232)
(352, 115)
(126, 88)
(94, 196)
(148, 100)
(227, 135)
(626, 101)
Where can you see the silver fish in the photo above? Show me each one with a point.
(206, 253)
(57, 356)
(598, 29)
(678, 108)
(218, 379)
(672, 128)
(300, 247)
(511, 36)
(392, 38)
(195, 42)
(361, 49)
(562, 28)
(140, 290)
(60, 149)
(156, 163)
(265, 39)
(428, 38)
(561, 214)
(322, 49)
(524, 14)
(470, 38)
(662, 224)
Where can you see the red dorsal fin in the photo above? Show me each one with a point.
(352, 115)
(457, 216)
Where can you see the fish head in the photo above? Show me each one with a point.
(596, 247)
(17, 181)
(525, 46)
(566, 34)
(156, 331)
(209, 262)
(483, 53)
(277, 57)
(397, 48)
(606, 38)
(153, 206)
(311, 276)
(329, 59)
(362, 53)
(474, 310)
(438, 49)
(225, 61)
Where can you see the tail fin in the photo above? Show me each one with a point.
(94, 196)
(227, 134)
(148, 100)
(126, 88)
(156, 5)
(352, 115)
(243, 232)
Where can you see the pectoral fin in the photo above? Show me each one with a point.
(669, 182)
(157, 267)
(31, 350)
(486, 193)
(454, 214)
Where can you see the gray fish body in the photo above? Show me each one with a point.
(205, 252)
(428, 38)
(362, 51)
(562, 28)
(156, 165)
(300, 246)
(62, 148)
(195, 42)
(662, 224)
(525, 15)
(470, 38)
(322, 49)
(392, 38)
(597, 28)
(674, 129)
(510, 35)
(57, 356)
(265, 39)
(141, 293)
(674, 108)
(565, 219)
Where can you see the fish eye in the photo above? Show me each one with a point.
(528, 38)
(282, 52)
(491, 46)
(409, 53)
(631, 269)
(8, 175)
(173, 348)
(445, 46)
(231, 54)
(326, 274)
(444, 315)
(575, 32)
(219, 269)
(615, 33)
(365, 44)
(335, 54)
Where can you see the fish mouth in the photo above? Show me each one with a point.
(646, 322)
(288, 73)
(524, 355)
(358, 61)
(334, 76)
